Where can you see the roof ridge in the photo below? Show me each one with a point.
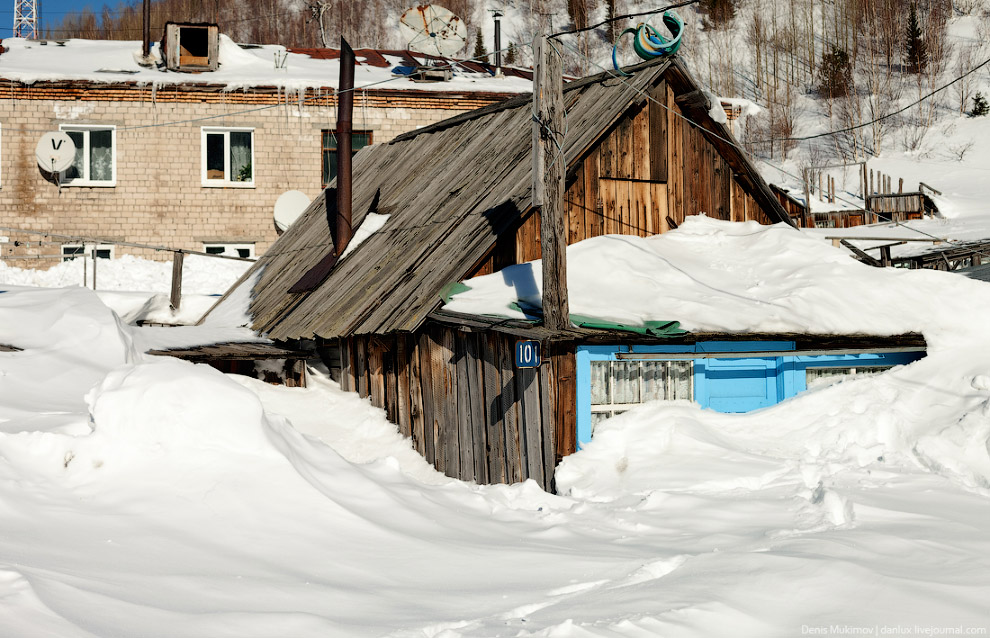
(525, 98)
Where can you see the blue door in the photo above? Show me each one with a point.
(739, 385)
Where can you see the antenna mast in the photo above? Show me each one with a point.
(26, 19)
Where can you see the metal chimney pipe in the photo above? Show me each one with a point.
(498, 42)
(345, 109)
(146, 29)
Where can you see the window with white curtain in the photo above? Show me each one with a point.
(823, 377)
(228, 157)
(95, 163)
(617, 386)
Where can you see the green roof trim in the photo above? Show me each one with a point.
(451, 289)
(653, 328)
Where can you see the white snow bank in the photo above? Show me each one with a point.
(177, 507)
(138, 289)
(349, 424)
(720, 276)
(881, 424)
(69, 340)
(175, 405)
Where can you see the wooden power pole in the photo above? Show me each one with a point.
(549, 167)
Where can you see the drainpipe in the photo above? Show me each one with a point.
(146, 30)
(345, 109)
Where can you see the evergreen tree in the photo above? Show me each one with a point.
(916, 52)
(835, 74)
(718, 13)
(980, 106)
(479, 46)
(510, 54)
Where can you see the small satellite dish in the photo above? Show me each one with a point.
(55, 152)
(288, 207)
(433, 29)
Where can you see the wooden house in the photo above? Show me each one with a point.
(641, 152)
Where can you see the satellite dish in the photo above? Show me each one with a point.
(288, 207)
(55, 152)
(434, 30)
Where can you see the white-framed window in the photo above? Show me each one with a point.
(617, 386)
(231, 250)
(96, 155)
(228, 157)
(72, 251)
(826, 376)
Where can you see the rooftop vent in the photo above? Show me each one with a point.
(191, 48)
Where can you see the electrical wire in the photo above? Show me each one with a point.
(626, 17)
(305, 102)
(736, 145)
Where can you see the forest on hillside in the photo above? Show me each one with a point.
(850, 61)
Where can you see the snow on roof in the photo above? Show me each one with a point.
(920, 236)
(717, 276)
(109, 61)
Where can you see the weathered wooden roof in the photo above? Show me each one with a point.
(451, 189)
(232, 351)
(911, 341)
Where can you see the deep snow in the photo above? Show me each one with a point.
(152, 497)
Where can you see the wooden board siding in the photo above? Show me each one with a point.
(455, 189)
(485, 420)
(649, 166)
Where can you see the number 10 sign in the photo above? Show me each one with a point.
(527, 354)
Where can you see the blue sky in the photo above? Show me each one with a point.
(51, 12)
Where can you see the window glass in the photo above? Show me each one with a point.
(240, 156)
(245, 251)
(214, 155)
(617, 386)
(823, 377)
(76, 171)
(359, 139)
(100, 155)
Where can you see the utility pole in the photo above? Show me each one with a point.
(548, 178)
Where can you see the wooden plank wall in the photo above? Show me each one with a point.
(650, 167)
(466, 407)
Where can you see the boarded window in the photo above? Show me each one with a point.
(194, 46)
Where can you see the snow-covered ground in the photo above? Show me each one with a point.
(152, 497)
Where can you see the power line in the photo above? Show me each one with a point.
(306, 101)
(736, 145)
(626, 17)
(888, 115)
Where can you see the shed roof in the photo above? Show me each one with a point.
(451, 189)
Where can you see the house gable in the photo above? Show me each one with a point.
(458, 193)
(643, 176)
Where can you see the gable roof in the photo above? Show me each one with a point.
(451, 189)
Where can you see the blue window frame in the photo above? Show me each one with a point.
(723, 384)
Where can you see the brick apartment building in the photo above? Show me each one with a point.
(191, 160)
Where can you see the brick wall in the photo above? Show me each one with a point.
(159, 198)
